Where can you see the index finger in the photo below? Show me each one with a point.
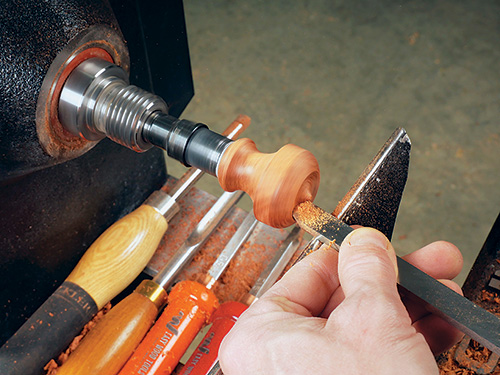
(309, 284)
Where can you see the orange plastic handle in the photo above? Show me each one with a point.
(205, 356)
(190, 305)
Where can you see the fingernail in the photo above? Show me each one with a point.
(372, 237)
(367, 236)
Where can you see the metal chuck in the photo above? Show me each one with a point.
(97, 101)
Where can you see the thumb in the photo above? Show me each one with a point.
(367, 264)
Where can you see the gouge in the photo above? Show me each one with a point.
(205, 358)
(190, 305)
(476, 322)
(111, 342)
(111, 263)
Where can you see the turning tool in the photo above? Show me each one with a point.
(204, 359)
(373, 200)
(96, 101)
(190, 306)
(476, 322)
(111, 342)
(110, 264)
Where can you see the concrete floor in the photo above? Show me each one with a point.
(337, 77)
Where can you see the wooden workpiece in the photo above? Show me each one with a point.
(276, 182)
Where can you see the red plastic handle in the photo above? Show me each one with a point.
(190, 307)
(205, 355)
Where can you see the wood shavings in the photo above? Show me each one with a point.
(51, 367)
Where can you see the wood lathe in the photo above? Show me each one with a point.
(82, 140)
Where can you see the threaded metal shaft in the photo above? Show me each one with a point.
(97, 101)
(121, 112)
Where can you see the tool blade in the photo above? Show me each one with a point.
(276, 266)
(320, 223)
(244, 231)
(463, 314)
(373, 201)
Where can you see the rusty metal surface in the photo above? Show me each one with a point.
(32, 34)
(246, 266)
(485, 364)
(96, 41)
(373, 200)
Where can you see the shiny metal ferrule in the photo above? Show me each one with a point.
(154, 292)
(163, 203)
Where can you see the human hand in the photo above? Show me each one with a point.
(340, 313)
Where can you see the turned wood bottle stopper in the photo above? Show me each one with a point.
(276, 182)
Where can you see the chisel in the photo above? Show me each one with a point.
(205, 358)
(111, 342)
(190, 305)
(471, 319)
(111, 263)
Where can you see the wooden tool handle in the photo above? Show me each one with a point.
(119, 255)
(109, 344)
(276, 182)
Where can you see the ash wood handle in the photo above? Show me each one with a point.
(276, 182)
(109, 344)
(119, 255)
(111, 263)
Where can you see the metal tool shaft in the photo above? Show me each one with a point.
(479, 324)
(166, 276)
(239, 238)
(276, 266)
(269, 276)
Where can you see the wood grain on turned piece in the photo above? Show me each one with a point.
(115, 259)
(276, 182)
